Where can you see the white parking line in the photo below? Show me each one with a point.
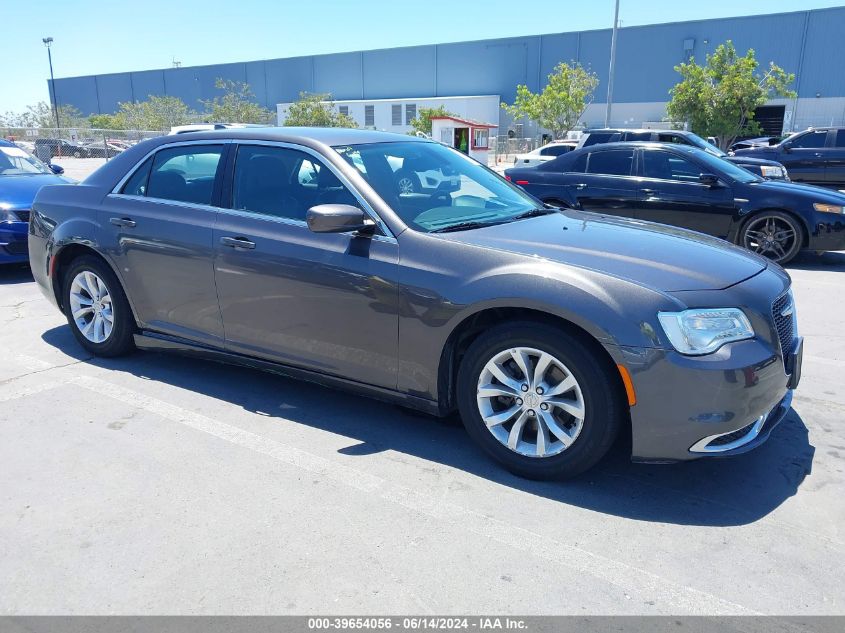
(672, 597)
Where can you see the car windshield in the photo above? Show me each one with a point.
(434, 188)
(16, 162)
(724, 166)
(708, 147)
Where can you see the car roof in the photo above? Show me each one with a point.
(325, 135)
(689, 149)
(5, 143)
(616, 130)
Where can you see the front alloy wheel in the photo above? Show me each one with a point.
(774, 235)
(530, 402)
(541, 400)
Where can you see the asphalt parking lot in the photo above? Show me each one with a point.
(165, 485)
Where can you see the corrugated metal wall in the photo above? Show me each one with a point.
(806, 41)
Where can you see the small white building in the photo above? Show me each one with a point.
(465, 135)
(394, 115)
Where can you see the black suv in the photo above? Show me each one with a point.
(769, 169)
(815, 156)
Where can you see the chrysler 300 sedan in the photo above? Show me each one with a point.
(295, 250)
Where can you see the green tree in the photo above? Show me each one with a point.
(41, 115)
(316, 110)
(156, 113)
(562, 102)
(236, 105)
(719, 98)
(421, 123)
(108, 121)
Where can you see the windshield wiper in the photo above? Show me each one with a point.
(533, 213)
(463, 226)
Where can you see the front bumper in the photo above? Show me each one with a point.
(729, 400)
(13, 242)
(827, 232)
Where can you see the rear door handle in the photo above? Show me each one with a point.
(237, 242)
(581, 186)
(649, 191)
(128, 222)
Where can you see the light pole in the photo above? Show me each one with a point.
(48, 41)
(612, 66)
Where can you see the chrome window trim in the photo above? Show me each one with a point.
(368, 209)
(178, 203)
(116, 189)
(254, 215)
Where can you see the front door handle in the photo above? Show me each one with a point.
(127, 222)
(649, 191)
(237, 242)
(581, 186)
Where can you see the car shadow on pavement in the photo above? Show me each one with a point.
(716, 492)
(810, 260)
(15, 274)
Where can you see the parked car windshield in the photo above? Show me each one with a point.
(707, 146)
(16, 162)
(448, 191)
(726, 167)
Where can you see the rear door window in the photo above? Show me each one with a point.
(185, 173)
(617, 162)
(840, 138)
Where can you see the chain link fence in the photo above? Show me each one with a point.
(47, 144)
(503, 149)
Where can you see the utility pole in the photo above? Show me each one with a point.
(612, 66)
(48, 41)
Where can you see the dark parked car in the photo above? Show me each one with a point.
(47, 148)
(769, 169)
(815, 156)
(547, 330)
(759, 141)
(690, 188)
(21, 176)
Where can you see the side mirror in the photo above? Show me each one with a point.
(56, 169)
(339, 218)
(711, 180)
(787, 146)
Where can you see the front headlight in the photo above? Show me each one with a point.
(828, 208)
(696, 332)
(772, 171)
(8, 216)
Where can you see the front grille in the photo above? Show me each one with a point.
(783, 323)
(732, 437)
(23, 216)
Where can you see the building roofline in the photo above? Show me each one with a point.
(496, 39)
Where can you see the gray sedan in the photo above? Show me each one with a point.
(549, 331)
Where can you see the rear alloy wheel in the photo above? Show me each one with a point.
(773, 234)
(407, 182)
(538, 401)
(97, 309)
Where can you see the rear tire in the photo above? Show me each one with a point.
(563, 417)
(96, 308)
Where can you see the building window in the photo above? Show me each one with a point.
(410, 112)
(369, 116)
(396, 114)
(344, 110)
(480, 138)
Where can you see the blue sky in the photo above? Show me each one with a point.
(101, 37)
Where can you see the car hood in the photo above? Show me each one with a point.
(18, 192)
(750, 160)
(661, 257)
(758, 152)
(805, 193)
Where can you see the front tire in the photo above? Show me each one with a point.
(538, 401)
(96, 308)
(773, 234)
(408, 182)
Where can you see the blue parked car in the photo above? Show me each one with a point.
(21, 176)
